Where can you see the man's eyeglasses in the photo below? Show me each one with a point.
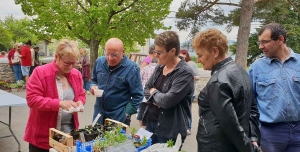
(113, 55)
(158, 53)
(67, 63)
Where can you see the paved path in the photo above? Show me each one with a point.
(20, 116)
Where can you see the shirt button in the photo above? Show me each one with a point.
(288, 103)
(162, 112)
(283, 78)
(286, 91)
(158, 124)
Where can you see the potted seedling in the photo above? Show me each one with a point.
(90, 134)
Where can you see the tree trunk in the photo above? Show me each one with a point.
(94, 46)
(243, 33)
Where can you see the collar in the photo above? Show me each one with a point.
(292, 55)
(220, 65)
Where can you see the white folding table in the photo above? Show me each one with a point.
(11, 100)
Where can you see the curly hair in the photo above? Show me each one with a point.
(211, 38)
(169, 40)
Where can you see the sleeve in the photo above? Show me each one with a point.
(35, 94)
(94, 74)
(252, 77)
(181, 85)
(135, 87)
(254, 114)
(254, 119)
(82, 96)
(221, 106)
(196, 69)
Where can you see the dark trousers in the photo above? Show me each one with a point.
(280, 137)
(151, 125)
(33, 148)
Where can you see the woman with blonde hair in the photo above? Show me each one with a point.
(51, 91)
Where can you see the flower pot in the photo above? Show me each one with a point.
(90, 136)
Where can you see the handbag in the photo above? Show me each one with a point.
(15, 61)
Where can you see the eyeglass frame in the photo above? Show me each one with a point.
(67, 63)
(161, 53)
(113, 55)
(264, 42)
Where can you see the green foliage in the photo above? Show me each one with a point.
(170, 143)
(274, 11)
(19, 29)
(5, 39)
(133, 131)
(94, 22)
(144, 141)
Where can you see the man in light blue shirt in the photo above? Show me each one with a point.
(276, 86)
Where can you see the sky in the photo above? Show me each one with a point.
(8, 7)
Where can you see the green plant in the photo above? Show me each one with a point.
(133, 131)
(14, 85)
(170, 143)
(144, 141)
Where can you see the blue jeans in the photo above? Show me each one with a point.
(17, 72)
(280, 137)
(86, 85)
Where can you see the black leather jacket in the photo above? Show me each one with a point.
(228, 111)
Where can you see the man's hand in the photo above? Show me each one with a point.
(93, 88)
(67, 104)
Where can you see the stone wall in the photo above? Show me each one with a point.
(6, 72)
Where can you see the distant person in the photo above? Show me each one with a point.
(14, 61)
(194, 67)
(51, 91)
(227, 108)
(149, 58)
(120, 79)
(146, 73)
(26, 59)
(2, 54)
(276, 86)
(84, 67)
(36, 61)
(169, 92)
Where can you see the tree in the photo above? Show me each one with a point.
(194, 14)
(243, 33)
(5, 39)
(95, 21)
(19, 29)
(275, 11)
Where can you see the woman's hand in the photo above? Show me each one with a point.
(67, 104)
(152, 90)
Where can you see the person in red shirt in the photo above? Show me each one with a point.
(26, 59)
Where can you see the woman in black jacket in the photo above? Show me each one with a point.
(168, 92)
(228, 111)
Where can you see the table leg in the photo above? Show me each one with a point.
(9, 126)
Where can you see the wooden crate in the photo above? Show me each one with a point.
(57, 145)
(127, 128)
